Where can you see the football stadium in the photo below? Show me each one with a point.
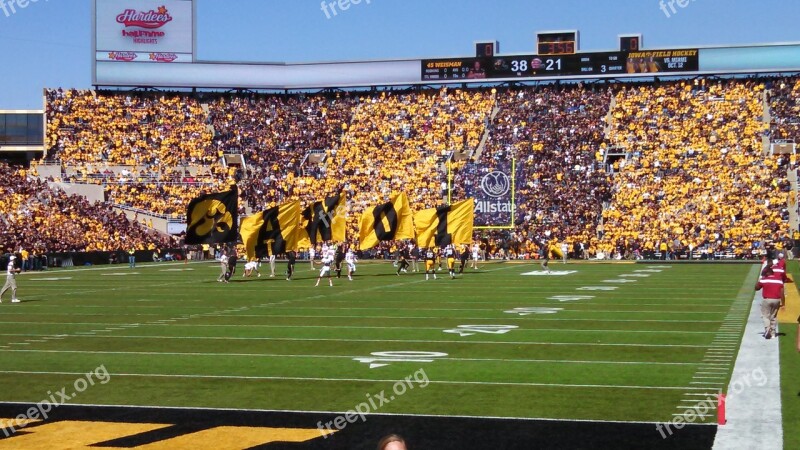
(571, 245)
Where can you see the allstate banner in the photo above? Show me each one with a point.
(494, 190)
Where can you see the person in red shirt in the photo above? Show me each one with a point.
(771, 286)
(779, 266)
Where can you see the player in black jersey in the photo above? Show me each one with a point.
(402, 266)
(338, 258)
(464, 256)
(292, 257)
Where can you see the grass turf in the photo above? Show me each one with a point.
(790, 367)
(169, 335)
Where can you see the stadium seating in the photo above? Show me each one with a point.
(698, 176)
(785, 109)
(145, 129)
(692, 171)
(554, 132)
(39, 219)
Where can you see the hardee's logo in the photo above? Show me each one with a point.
(150, 20)
(122, 56)
(163, 57)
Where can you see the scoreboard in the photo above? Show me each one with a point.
(577, 64)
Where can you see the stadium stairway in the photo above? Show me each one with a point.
(765, 140)
(794, 212)
(609, 118)
(486, 134)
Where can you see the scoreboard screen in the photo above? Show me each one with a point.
(579, 64)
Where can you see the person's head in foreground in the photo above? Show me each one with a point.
(392, 442)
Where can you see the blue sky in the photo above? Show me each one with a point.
(47, 44)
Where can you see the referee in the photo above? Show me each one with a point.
(11, 281)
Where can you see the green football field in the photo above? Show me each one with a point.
(601, 342)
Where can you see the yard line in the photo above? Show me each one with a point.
(412, 308)
(414, 341)
(724, 307)
(277, 355)
(121, 267)
(351, 380)
(306, 316)
(538, 318)
(349, 327)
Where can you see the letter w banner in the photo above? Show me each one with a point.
(274, 230)
(324, 221)
(213, 218)
(387, 222)
(445, 225)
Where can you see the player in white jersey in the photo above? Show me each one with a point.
(11, 281)
(250, 267)
(312, 252)
(350, 259)
(271, 265)
(327, 261)
(476, 251)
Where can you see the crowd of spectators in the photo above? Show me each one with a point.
(38, 219)
(275, 133)
(692, 172)
(390, 142)
(698, 176)
(784, 98)
(553, 131)
(126, 129)
(397, 142)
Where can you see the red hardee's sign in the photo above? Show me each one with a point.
(151, 19)
(163, 57)
(122, 56)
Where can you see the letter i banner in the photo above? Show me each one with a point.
(445, 225)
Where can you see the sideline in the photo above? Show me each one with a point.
(754, 414)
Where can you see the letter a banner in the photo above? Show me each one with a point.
(387, 222)
(272, 230)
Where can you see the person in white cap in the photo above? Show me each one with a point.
(11, 281)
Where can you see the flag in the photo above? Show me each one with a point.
(387, 222)
(445, 225)
(213, 218)
(323, 221)
(272, 231)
